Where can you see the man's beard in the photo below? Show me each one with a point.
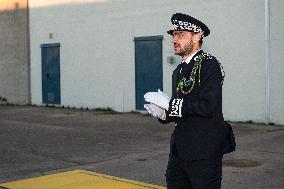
(188, 48)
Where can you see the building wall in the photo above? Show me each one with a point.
(276, 62)
(14, 66)
(97, 50)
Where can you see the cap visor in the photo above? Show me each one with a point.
(170, 32)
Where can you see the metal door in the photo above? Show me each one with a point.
(50, 54)
(148, 67)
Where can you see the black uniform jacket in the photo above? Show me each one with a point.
(200, 133)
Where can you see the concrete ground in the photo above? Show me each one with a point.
(36, 141)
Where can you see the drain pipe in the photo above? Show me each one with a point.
(29, 53)
(267, 60)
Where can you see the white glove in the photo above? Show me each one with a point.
(158, 98)
(155, 111)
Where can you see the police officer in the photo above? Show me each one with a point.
(197, 143)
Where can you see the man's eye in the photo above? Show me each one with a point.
(179, 35)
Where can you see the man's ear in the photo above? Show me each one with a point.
(196, 38)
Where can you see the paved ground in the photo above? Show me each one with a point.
(36, 141)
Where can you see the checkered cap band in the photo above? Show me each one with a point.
(183, 25)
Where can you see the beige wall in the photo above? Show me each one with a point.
(14, 74)
(97, 50)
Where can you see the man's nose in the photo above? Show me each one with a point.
(174, 39)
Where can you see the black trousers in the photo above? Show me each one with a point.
(196, 174)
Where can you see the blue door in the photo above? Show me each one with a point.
(50, 57)
(148, 67)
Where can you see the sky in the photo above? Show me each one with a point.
(42, 3)
(11, 4)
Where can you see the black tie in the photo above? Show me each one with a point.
(182, 65)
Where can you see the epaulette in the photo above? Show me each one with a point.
(204, 56)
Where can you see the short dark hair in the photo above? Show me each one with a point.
(200, 41)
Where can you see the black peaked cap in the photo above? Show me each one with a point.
(184, 22)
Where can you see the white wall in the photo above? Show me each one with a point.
(277, 61)
(238, 40)
(97, 50)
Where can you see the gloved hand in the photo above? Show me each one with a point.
(158, 98)
(155, 111)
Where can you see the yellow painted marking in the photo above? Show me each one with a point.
(78, 179)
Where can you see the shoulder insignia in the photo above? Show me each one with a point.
(204, 56)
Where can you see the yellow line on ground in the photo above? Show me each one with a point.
(78, 179)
